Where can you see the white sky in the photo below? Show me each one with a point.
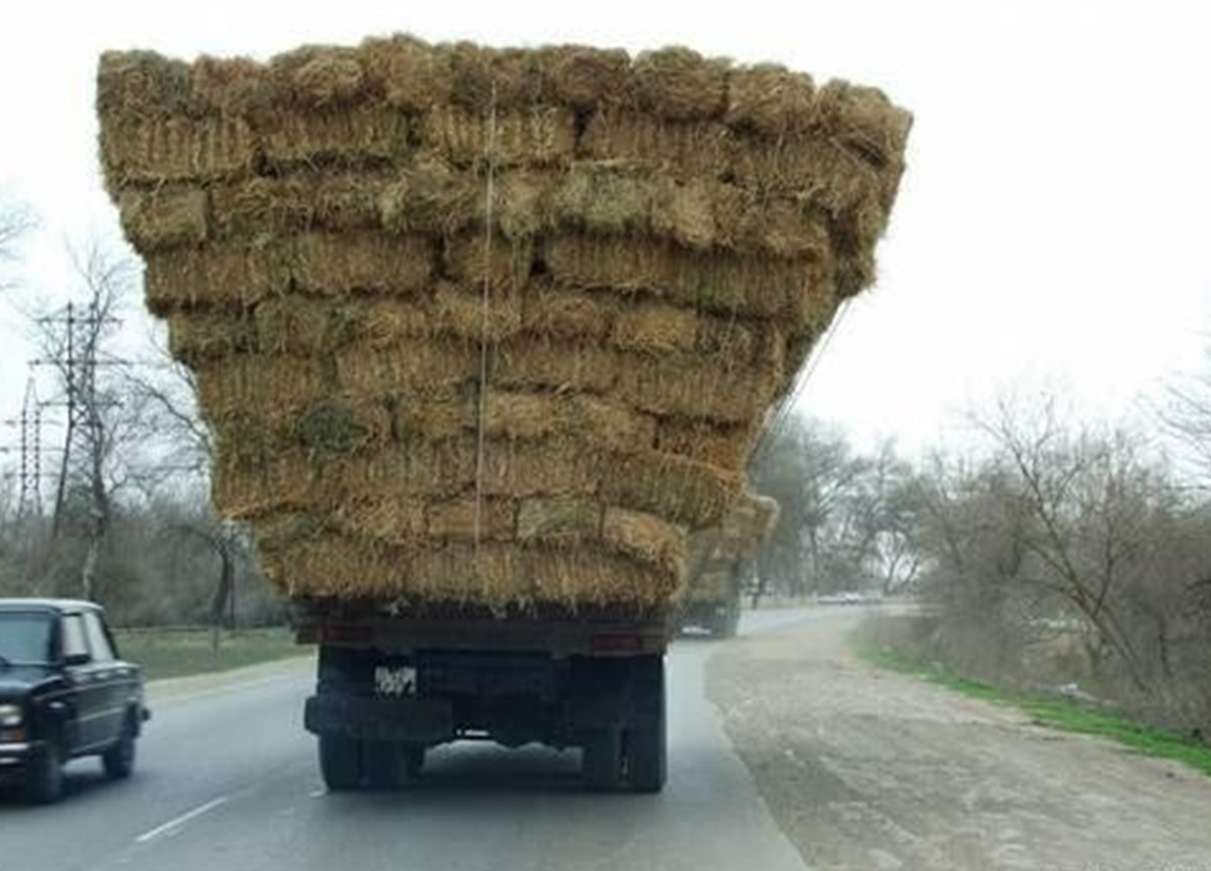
(1051, 223)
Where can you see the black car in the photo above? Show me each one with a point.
(64, 693)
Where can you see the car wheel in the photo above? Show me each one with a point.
(44, 775)
(340, 762)
(647, 739)
(119, 760)
(601, 763)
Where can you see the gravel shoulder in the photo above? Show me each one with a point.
(868, 769)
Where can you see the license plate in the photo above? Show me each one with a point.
(395, 681)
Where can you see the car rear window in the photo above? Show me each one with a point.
(25, 637)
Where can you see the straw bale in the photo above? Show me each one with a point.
(727, 446)
(679, 490)
(420, 368)
(429, 197)
(143, 84)
(769, 100)
(480, 75)
(456, 519)
(582, 77)
(389, 517)
(232, 86)
(345, 135)
(159, 219)
(554, 365)
(154, 150)
(558, 313)
(507, 266)
(384, 323)
(685, 213)
(751, 521)
(547, 467)
(579, 575)
(249, 381)
(678, 84)
(680, 150)
(464, 314)
(466, 574)
(511, 415)
(558, 519)
(610, 425)
(334, 565)
(195, 338)
(655, 328)
(319, 76)
(720, 282)
(690, 385)
(334, 428)
(645, 537)
(413, 75)
(299, 325)
(331, 264)
(731, 339)
(601, 201)
(433, 418)
(535, 137)
(221, 274)
(299, 202)
(243, 490)
(420, 468)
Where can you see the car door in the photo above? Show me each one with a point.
(86, 696)
(109, 681)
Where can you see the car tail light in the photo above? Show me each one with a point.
(345, 633)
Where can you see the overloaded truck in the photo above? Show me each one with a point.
(722, 564)
(483, 336)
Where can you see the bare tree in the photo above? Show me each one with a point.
(16, 220)
(1185, 415)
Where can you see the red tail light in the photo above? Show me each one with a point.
(616, 643)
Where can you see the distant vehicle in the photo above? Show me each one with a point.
(64, 693)
(846, 598)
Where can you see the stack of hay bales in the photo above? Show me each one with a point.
(490, 327)
(715, 552)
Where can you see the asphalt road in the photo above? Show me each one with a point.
(227, 779)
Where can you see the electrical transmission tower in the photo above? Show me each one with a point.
(29, 474)
(76, 360)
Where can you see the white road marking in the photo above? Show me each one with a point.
(182, 819)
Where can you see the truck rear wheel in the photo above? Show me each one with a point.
(340, 762)
(647, 738)
(392, 764)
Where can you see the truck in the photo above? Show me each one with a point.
(712, 600)
(390, 686)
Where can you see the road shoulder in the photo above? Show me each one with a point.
(867, 769)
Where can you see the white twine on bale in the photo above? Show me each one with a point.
(483, 320)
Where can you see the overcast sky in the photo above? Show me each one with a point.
(1051, 225)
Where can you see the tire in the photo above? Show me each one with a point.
(44, 775)
(340, 762)
(601, 764)
(647, 736)
(414, 759)
(392, 764)
(119, 760)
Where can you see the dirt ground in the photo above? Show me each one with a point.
(867, 769)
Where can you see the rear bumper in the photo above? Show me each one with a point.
(428, 721)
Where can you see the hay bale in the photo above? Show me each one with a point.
(678, 84)
(428, 196)
(577, 575)
(389, 517)
(510, 415)
(679, 490)
(685, 213)
(600, 200)
(554, 365)
(347, 136)
(769, 100)
(431, 419)
(610, 425)
(581, 77)
(655, 328)
(386, 323)
(506, 265)
(693, 386)
(421, 368)
(248, 381)
(455, 520)
(679, 150)
(553, 520)
(547, 467)
(293, 325)
(556, 313)
(142, 83)
(164, 218)
(319, 77)
(413, 76)
(466, 314)
(367, 262)
(275, 206)
(727, 446)
(646, 538)
(231, 86)
(228, 275)
(533, 137)
(197, 338)
(154, 150)
(714, 282)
